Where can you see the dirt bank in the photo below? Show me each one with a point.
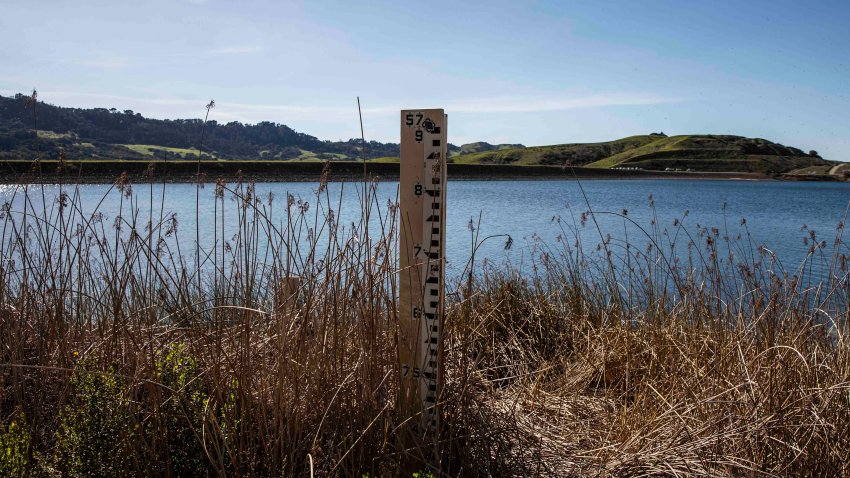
(262, 171)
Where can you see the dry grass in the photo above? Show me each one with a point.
(118, 360)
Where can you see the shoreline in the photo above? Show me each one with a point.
(141, 172)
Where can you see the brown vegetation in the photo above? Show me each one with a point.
(115, 362)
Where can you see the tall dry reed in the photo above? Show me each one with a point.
(126, 350)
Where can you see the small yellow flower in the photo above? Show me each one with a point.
(76, 354)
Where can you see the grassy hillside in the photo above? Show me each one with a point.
(658, 152)
(81, 134)
(482, 146)
(576, 154)
(713, 153)
(158, 151)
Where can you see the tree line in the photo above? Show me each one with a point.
(99, 132)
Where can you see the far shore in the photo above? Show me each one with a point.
(105, 172)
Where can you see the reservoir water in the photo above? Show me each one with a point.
(784, 217)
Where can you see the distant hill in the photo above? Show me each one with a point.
(102, 133)
(657, 151)
(575, 154)
(482, 146)
(714, 153)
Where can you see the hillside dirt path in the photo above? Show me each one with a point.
(834, 170)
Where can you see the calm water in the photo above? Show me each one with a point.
(529, 211)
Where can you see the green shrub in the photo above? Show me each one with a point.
(423, 474)
(181, 416)
(92, 439)
(14, 448)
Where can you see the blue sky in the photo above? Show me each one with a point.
(505, 71)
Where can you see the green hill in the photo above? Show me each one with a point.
(575, 154)
(659, 152)
(101, 133)
(715, 153)
(482, 146)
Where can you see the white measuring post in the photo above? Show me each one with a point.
(422, 263)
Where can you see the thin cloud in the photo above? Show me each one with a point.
(105, 63)
(173, 108)
(252, 113)
(236, 50)
(554, 103)
(83, 96)
(15, 80)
